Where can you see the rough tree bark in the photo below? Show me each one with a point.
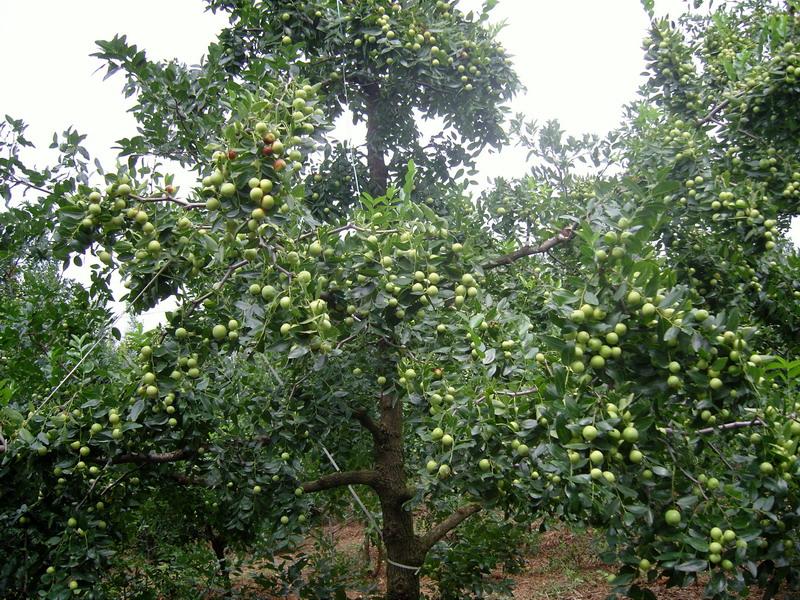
(401, 542)
(376, 148)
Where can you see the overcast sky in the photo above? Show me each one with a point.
(580, 60)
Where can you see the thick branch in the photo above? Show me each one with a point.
(153, 458)
(363, 417)
(343, 478)
(450, 523)
(713, 112)
(561, 237)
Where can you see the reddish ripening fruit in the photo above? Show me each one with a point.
(279, 164)
(269, 138)
(267, 150)
(232, 154)
(169, 190)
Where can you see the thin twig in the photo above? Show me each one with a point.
(349, 227)
(218, 284)
(178, 201)
(525, 392)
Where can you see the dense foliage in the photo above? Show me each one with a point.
(609, 340)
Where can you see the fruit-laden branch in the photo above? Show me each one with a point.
(561, 237)
(723, 427)
(154, 458)
(178, 201)
(513, 394)
(450, 523)
(343, 478)
(347, 227)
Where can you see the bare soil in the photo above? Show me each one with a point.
(562, 567)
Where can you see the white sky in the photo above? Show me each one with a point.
(580, 61)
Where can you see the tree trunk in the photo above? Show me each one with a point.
(219, 546)
(376, 148)
(402, 544)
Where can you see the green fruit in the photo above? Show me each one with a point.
(635, 457)
(219, 332)
(589, 433)
(672, 517)
(597, 362)
(630, 434)
(700, 315)
(444, 472)
(431, 466)
(484, 464)
(634, 298)
(596, 457)
(228, 189)
(729, 535)
(648, 309)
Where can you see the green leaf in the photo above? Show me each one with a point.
(692, 566)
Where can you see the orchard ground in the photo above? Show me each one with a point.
(559, 564)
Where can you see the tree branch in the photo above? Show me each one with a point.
(713, 112)
(153, 458)
(450, 523)
(363, 417)
(219, 284)
(184, 203)
(340, 479)
(723, 427)
(561, 237)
